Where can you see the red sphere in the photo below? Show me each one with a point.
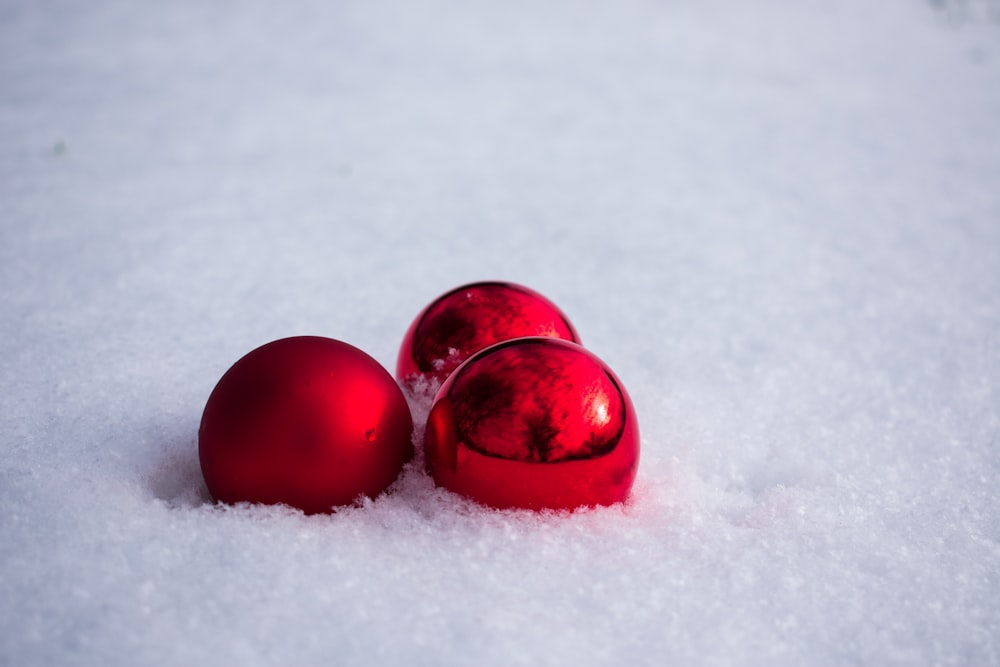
(534, 423)
(470, 318)
(306, 421)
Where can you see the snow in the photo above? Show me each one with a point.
(778, 222)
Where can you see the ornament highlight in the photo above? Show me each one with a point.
(535, 423)
(470, 318)
(306, 421)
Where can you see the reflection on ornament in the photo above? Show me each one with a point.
(534, 423)
(467, 319)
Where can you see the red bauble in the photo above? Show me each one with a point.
(534, 423)
(470, 318)
(306, 421)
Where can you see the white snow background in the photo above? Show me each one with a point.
(779, 222)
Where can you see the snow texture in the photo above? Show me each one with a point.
(779, 222)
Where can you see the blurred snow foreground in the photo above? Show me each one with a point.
(779, 224)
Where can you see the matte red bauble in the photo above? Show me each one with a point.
(467, 319)
(306, 421)
(534, 423)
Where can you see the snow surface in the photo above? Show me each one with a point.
(778, 222)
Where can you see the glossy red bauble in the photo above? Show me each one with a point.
(306, 421)
(534, 423)
(470, 318)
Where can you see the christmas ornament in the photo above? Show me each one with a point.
(534, 423)
(306, 421)
(469, 318)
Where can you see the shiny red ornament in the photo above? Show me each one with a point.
(535, 423)
(470, 318)
(306, 421)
